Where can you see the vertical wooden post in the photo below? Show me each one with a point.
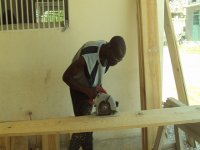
(149, 63)
(19, 142)
(5, 143)
(178, 138)
(35, 142)
(159, 138)
(50, 142)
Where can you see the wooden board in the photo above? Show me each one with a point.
(50, 142)
(35, 142)
(178, 138)
(141, 70)
(126, 120)
(192, 130)
(174, 55)
(158, 144)
(149, 63)
(19, 143)
(172, 102)
(5, 143)
(175, 59)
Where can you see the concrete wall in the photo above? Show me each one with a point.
(32, 62)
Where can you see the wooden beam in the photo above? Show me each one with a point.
(172, 102)
(175, 59)
(192, 130)
(19, 143)
(50, 142)
(174, 55)
(141, 56)
(159, 138)
(149, 63)
(178, 138)
(141, 70)
(35, 142)
(126, 120)
(5, 143)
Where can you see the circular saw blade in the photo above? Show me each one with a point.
(104, 108)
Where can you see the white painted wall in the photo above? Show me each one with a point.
(32, 62)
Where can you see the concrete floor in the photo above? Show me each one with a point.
(122, 143)
(128, 143)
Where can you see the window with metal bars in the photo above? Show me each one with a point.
(33, 14)
(196, 18)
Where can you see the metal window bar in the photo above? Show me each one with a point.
(17, 14)
(49, 14)
(54, 20)
(22, 13)
(27, 13)
(11, 8)
(6, 13)
(33, 22)
(64, 13)
(43, 21)
(38, 13)
(1, 16)
(59, 12)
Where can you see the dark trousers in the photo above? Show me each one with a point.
(81, 107)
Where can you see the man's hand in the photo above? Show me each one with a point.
(101, 89)
(91, 92)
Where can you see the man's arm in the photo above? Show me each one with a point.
(71, 71)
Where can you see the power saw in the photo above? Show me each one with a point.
(105, 104)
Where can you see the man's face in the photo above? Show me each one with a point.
(113, 56)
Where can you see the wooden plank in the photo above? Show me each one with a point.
(35, 142)
(50, 142)
(65, 140)
(175, 59)
(159, 138)
(19, 143)
(192, 129)
(141, 70)
(126, 120)
(172, 102)
(4, 143)
(149, 62)
(174, 55)
(178, 138)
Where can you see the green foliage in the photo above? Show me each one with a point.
(53, 16)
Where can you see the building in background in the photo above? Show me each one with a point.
(193, 20)
(178, 13)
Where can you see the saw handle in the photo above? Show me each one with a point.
(100, 89)
(90, 101)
